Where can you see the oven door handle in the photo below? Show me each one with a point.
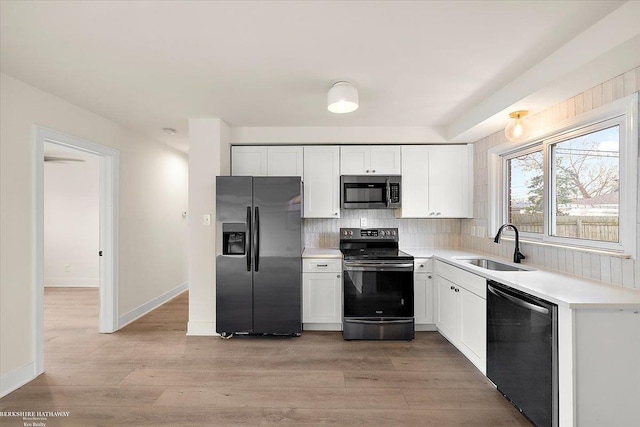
(518, 301)
(358, 266)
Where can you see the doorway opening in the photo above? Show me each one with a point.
(55, 147)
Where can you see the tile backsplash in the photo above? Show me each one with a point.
(429, 233)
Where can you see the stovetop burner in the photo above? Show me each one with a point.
(371, 244)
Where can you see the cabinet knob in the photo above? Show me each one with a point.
(367, 171)
(421, 265)
(338, 276)
(453, 287)
(373, 171)
(429, 277)
(457, 290)
(335, 213)
(437, 213)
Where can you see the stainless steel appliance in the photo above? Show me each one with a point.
(377, 286)
(258, 255)
(370, 192)
(522, 351)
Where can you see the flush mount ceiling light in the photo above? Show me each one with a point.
(517, 129)
(169, 131)
(342, 98)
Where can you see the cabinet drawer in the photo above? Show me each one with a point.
(319, 265)
(469, 281)
(422, 265)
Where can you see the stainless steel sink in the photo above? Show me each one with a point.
(493, 265)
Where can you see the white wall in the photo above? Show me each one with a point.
(153, 194)
(610, 269)
(208, 158)
(71, 221)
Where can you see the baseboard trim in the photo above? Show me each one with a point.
(78, 282)
(15, 379)
(145, 308)
(322, 326)
(204, 329)
(426, 327)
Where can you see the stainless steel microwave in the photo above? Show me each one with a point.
(370, 191)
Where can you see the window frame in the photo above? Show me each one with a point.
(622, 112)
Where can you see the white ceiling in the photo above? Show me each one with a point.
(452, 68)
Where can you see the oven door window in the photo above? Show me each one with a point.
(378, 294)
(365, 193)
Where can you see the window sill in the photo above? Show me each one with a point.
(571, 247)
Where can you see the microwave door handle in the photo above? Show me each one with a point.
(388, 191)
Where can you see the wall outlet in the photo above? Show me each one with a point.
(481, 231)
(473, 230)
(67, 268)
(363, 222)
(206, 219)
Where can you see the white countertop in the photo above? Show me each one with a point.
(321, 253)
(562, 289)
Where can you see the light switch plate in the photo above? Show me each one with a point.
(206, 219)
(363, 222)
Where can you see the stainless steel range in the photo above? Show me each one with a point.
(377, 285)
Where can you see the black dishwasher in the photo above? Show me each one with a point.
(522, 351)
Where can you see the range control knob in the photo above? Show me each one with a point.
(393, 233)
(350, 233)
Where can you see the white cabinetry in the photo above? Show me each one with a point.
(321, 182)
(370, 160)
(437, 181)
(248, 161)
(423, 295)
(322, 294)
(461, 313)
(280, 160)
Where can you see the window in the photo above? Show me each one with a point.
(575, 186)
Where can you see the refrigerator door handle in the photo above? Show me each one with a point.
(256, 230)
(248, 239)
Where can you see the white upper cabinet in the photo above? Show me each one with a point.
(321, 182)
(285, 161)
(267, 160)
(437, 181)
(248, 161)
(370, 160)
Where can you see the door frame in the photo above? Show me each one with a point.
(109, 165)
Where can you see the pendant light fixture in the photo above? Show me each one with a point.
(517, 129)
(342, 98)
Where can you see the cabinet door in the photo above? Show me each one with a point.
(437, 181)
(473, 330)
(385, 160)
(321, 182)
(423, 298)
(448, 302)
(248, 161)
(355, 160)
(450, 169)
(285, 161)
(415, 181)
(322, 298)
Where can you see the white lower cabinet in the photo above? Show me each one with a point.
(461, 311)
(322, 294)
(423, 295)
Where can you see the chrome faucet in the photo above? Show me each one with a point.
(517, 255)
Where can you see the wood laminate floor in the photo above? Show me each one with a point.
(151, 374)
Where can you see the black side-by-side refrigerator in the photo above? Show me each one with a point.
(258, 255)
